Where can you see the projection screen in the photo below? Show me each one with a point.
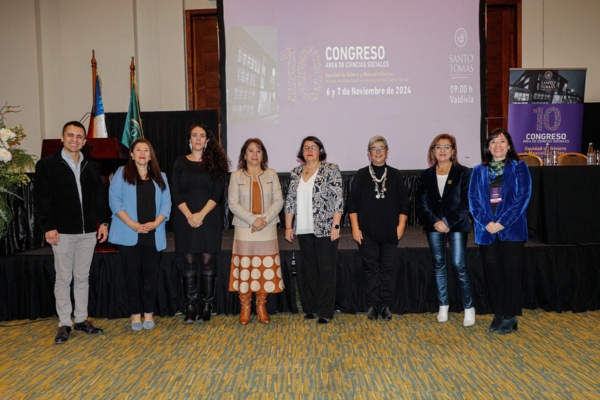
(346, 70)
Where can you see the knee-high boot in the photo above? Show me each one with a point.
(207, 286)
(261, 308)
(190, 293)
(245, 301)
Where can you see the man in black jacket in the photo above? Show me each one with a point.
(70, 204)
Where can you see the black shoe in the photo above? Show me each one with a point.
(190, 314)
(372, 313)
(310, 316)
(323, 320)
(386, 314)
(508, 325)
(205, 313)
(496, 323)
(87, 327)
(63, 335)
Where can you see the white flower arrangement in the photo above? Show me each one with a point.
(5, 155)
(14, 163)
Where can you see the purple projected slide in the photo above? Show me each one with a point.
(348, 70)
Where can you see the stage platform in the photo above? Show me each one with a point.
(557, 278)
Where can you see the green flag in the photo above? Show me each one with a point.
(133, 123)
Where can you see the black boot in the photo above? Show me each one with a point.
(496, 322)
(207, 288)
(190, 293)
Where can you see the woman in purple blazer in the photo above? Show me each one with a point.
(498, 197)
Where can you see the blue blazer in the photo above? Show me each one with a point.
(123, 196)
(452, 206)
(510, 213)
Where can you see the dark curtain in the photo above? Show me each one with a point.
(27, 287)
(561, 278)
(556, 278)
(23, 233)
(563, 208)
(591, 126)
(415, 283)
(166, 130)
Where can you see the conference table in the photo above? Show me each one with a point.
(564, 205)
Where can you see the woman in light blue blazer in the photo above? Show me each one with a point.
(140, 200)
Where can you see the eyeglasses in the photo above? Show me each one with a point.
(377, 149)
(445, 147)
(307, 148)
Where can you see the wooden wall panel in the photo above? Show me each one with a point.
(503, 51)
(203, 60)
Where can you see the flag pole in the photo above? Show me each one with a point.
(94, 72)
(131, 74)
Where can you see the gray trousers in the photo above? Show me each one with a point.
(72, 260)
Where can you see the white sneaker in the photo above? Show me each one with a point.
(469, 317)
(443, 314)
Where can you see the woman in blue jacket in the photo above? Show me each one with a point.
(140, 200)
(498, 197)
(443, 206)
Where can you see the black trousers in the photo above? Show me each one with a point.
(379, 264)
(140, 266)
(317, 273)
(504, 263)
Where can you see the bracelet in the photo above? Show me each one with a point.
(287, 229)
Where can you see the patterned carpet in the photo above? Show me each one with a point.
(551, 356)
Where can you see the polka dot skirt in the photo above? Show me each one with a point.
(255, 263)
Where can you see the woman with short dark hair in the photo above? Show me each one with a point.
(499, 193)
(314, 204)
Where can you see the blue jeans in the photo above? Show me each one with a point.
(458, 251)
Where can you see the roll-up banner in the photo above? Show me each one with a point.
(546, 106)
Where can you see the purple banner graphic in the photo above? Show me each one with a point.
(546, 107)
(533, 125)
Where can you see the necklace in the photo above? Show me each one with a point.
(310, 170)
(143, 175)
(380, 193)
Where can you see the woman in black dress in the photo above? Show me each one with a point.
(198, 182)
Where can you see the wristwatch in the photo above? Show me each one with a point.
(104, 224)
(336, 226)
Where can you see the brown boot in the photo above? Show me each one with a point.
(261, 308)
(245, 301)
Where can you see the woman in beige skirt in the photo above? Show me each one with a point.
(255, 199)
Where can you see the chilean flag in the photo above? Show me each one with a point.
(97, 127)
